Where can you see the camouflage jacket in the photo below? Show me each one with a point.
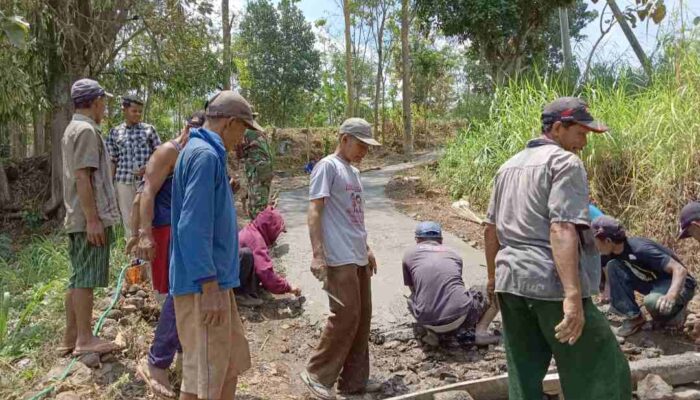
(256, 156)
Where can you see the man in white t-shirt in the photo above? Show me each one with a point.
(344, 263)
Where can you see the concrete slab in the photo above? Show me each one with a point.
(390, 233)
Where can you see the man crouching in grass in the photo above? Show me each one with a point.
(91, 211)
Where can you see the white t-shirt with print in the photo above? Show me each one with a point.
(343, 220)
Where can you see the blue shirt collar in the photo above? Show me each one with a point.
(213, 139)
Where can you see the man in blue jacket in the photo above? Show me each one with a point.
(204, 266)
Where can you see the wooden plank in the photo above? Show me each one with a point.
(675, 370)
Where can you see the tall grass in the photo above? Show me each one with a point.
(36, 278)
(643, 171)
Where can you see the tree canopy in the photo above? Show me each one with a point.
(500, 32)
(278, 63)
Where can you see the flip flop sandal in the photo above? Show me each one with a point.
(102, 348)
(319, 391)
(64, 351)
(156, 387)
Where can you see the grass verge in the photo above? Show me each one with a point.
(643, 171)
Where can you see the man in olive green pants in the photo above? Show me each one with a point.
(542, 263)
(530, 342)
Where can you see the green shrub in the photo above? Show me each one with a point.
(643, 171)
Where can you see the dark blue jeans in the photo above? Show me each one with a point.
(623, 284)
(166, 342)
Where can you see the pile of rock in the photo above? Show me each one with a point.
(653, 387)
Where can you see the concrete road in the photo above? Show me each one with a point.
(390, 234)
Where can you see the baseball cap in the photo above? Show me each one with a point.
(571, 109)
(689, 213)
(429, 229)
(228, 103)
(87, 89)
(360, 129)
(607, 227)
(130, 99)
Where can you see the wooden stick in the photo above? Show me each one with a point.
(676, 370)
(264, 343)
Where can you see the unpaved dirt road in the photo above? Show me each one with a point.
(390, 233)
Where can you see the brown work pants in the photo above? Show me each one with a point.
(343, 353)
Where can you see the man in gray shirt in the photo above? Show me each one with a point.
(439, 300)
(542, 263)
(91, 211)
(343, 262)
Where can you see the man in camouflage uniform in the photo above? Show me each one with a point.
(257, 164)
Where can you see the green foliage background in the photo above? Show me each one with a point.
(642, 171)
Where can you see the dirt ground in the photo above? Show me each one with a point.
(281, 340)
(416, 193)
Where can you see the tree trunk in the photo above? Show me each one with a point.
(565, 39)
(39, 132)
(59, 98)
(226, 62)
(641, 56)
(407, 95)
(16, 151)
(5, 198)
(48, 140)
(384, 109)
(348, 60)
(380, 66)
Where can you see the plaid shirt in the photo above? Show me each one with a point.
(131, 147)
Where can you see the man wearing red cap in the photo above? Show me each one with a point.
(543, 266)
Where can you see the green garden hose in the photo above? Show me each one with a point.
(95, 331)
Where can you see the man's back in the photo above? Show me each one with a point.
(435, 273)
(541, 185)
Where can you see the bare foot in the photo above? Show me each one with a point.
(485, 338)
(95, 345)
(156, 379)
(69, 338)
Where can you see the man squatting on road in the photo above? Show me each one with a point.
(344, 263)
(204, 265)
(151, 214)
(543, 265)
(439, 300)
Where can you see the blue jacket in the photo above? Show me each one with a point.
(204, 242)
